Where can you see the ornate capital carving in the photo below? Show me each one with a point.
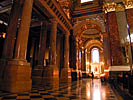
(128, 4)
(119, 7)
(109, 7)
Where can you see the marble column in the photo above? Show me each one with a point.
(51, 71)
(77, 54)
(42, 44)
(85, 59)
(17, 73)
(53, 33)
(78, 69)
(82, 59)
(58, 49)
(11, 36)
(83, 63)
(123, 31)
(12, 29)
(23, 32)
(106, 48)
(65, 72)
(38, 70)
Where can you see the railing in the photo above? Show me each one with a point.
(54, 9)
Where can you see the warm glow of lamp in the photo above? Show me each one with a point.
(4, 35)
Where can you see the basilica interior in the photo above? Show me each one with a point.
(50, 46)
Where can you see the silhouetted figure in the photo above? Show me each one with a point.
(92, 75)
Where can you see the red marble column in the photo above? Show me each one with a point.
(116, 54)
(106, 48)
(129, 13)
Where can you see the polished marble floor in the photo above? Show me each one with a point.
(85, 89)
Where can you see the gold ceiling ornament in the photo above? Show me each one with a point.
(128, 4)
(119, 7)
(109, 7)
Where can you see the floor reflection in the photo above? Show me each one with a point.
(85, 89)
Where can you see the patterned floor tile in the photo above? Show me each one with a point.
(23, 97)
(85, 89)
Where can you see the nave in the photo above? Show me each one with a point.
(85, 89)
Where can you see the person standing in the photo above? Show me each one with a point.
(92, 75)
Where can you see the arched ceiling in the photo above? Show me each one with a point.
(90, 25)
(93, 43)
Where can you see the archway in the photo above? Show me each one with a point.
(88, 34)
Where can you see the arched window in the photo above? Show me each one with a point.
(95, 55)
(82, 1)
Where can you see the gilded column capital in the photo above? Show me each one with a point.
(109, 7)
(128, 4)
(119, 7)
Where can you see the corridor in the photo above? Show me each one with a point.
(85, 89)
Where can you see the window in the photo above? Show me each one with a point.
(131, 37)
(95, 55)
(82, 1)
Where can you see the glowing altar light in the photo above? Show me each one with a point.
(87, 63)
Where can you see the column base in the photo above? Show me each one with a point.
(65, 75)
(37, 75)
(79, 75)
(16, 76)
(51, 76)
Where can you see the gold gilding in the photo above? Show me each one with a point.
(109, 7)
(128, 4)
